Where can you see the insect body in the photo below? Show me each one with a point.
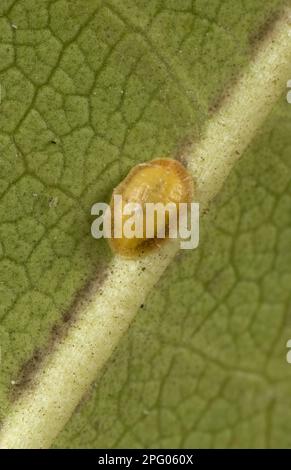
(158, 181)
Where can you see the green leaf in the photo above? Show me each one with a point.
(204, 364)
(88, 89)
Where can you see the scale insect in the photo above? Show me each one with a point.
(163, 181)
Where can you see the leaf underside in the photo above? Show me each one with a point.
(88, 89)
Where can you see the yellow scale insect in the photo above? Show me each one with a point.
(163, 181)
